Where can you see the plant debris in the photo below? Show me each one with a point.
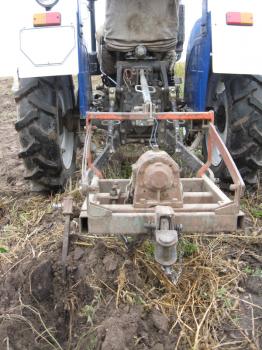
(113, 298)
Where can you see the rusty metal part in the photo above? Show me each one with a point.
(145, 88)
(67, 206)
(165, 251)
(112, 97)
(214, 140)
(156, 181)
(115, 194)
(91, 168)
(205, 209)
(166, 236)
(130, 207)
(192, 161)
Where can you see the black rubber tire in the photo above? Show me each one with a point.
(243, 96)
(44, 107)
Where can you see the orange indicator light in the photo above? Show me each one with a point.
(240, 18)
(47, 19)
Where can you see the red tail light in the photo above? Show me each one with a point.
(240, 18)
(47, 19)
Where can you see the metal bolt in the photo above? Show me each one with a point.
(57, 206)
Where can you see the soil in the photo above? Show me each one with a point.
(11, 170)
(111, 298)
(74, 305)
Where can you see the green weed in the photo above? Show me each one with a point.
(222, 295)
(138, 300)
(88, 311)
(253, 272)
(3, 250)
(236, 320)
(180, 73)
(149, 249)
(92, 343)
(188, 247)
(180, 69)
(248, 270)
(258, 272)
(257, 213)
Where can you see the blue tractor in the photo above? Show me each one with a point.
(137, 100)
(135, 53)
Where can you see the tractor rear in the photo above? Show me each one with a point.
(138, 101)
(224, 62)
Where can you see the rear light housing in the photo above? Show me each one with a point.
(47, 19)
(240, 18)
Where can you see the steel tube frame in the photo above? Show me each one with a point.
(214, 139)
(186, 116)
(222, 212)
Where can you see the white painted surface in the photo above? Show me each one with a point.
(43, 48)
(8, 37)
(236, 49)
(34, 52)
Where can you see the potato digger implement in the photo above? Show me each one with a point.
(138, 101)
(155, 202)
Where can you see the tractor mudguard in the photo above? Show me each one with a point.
(236, 35)
(225, 41)
(198, 64)
(34, 45)
(221, 73)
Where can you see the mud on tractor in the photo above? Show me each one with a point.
(138, 101)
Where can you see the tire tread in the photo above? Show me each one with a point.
(37, 128)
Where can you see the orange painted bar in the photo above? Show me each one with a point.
(209, 116)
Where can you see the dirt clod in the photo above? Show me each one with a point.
(110, 263)
(254, 285)
(78, 254)
(119, 331)
(160, 321)
(158, 347)
(42, 281)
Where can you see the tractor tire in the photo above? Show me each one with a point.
(237, 103)
(47, 137)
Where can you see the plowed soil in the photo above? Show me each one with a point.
(114, 297)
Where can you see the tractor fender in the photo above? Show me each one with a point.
(236, 27)
(34, 48)
(198, 64)
(217, 45)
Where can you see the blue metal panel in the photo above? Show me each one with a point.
(83, 75)
(198, 63)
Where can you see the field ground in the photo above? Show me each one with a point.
(115, 299)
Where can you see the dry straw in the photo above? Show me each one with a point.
(204, 302)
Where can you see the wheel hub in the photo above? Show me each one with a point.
(221, 119)
(66, 138)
